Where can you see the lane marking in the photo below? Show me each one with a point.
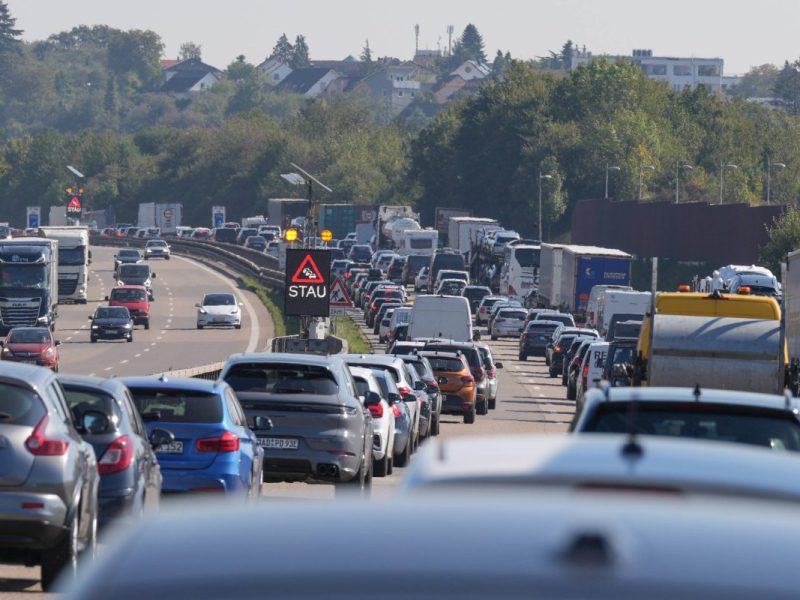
(122, 362)
(108, 368)
(152, 343)
(137, 355)
(146, 350)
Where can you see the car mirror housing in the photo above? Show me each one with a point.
(94, 422)
(498, 365)
(261, 423)
(372, 399)
(160, 437)
(419, 386)
(441, 380)
(394, 398)
(409, 398)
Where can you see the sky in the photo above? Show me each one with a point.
(744, 33)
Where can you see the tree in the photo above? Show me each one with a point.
(787, 86)
(137, 52)
(501, 63)
(300, 56)
(567, 52)
(9, 35)
(283, 50)
(784, 237)
(366, 54)
(469, 46)
(190, 50)
(758, 82)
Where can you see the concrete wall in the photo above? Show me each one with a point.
(694, 231)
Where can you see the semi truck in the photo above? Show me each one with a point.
(339, 219)
(28, 283)
(583, 267)
(549, 292)
(443, 215)
(167, 217)
(281, 211)
(392, 221)
(721, 341)
(73, 261)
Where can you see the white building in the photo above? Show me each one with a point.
(679, 73)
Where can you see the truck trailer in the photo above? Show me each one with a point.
(28, 283)
(583, 267)
(73, 261)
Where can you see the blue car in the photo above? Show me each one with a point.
(213, 450)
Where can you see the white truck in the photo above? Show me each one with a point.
(462, 232)
(73, 261)
(392, 222)
(422, 242)
(620, 302)
(446, 317)
(167, 217)
(549, 292)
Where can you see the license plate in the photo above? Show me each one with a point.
(28, 362)
(277, 443)
(171, 448)
(112, 331)
(219, 319)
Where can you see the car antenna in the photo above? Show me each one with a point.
(696, 392)
(632, 449)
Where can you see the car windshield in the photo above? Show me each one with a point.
(19, 406)
(565, 319)
(70, 257)
(512, 314)
(112, 312)
(39, 335)
(276, 378)
(441, 363)
(702, 421)
(157, 244)
(622, 354)
(134, 271)
(127, 295)
(80, 400)
(219, 300)
(128, 254)
(30, 276)
(177, 406)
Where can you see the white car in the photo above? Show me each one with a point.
(156, 249)
(385, 325)
(421, 280)
(382, 422)
(508, 322)
(219, 309)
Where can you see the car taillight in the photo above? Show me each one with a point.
(38, 445)
(483, 309)
(557, 349)
(467, 380)
(372, 306)
(585, 374)
(432, 383)
(404, 391)
(376, 410)
(117, 457)
(227, 442)
(491, 373)
(477, 374)
(395, 410)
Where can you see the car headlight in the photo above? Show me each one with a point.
(49, 352)
(95, 327)
(148, 283)
(128, 325)
(7, 352)
(44, 320)
(203, 311)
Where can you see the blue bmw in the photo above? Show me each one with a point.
(214, 450)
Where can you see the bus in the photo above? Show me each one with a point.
(520, 270)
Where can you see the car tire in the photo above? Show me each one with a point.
(571, 392)
(380, 468)
(358, 485)
(469, 418)
(62, 559)
(492, 403)
(483, 407)
(391, 465)
(167, 257)
(199, 326)
(404, 458)
(546, 360)
(130, 338)
(93, 339)
(552, 373)
(523, 356)
(147, 324)
(239, 326)
(494, 338)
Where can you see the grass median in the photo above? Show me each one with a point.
(345, 328)
(273, 301)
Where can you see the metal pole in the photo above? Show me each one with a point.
(769, 176)
(721, 171)
(677, 182)
(640, 183)
(606, 196)
(541, 233)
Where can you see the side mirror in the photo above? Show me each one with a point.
(409, 398)
(2, 344)
(498, 365)
(419, 386)
(441, 380)
(153, 275)
(394, 398)
(90, 317)
(197, 305)
(94, 421)
(106, 298)
(372, 399)
(241, 303)
(262, 423)
(58, 342)
(432, 389)
(160, 437)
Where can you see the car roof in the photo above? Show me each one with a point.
(30, 376)
(371, 359)
(284, 358)
(129, 287)
(111, 385)
(172, 383)
(687, 395)
(538, 322)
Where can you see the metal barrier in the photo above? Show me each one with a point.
(210, 372)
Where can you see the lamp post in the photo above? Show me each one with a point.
(722, 167)
(770, 166)
(306, 179)
(608, 168)
(541, 233)
(678, 168)
(642, 169)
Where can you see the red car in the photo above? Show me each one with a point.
(31, 345)
(134, 298)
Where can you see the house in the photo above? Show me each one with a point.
(186, 76)
(465, 79)
(275, 70)
(310, 82)
(398, 85)
(427, 58)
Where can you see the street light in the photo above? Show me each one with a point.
(722, 168)
(771, 166)
(541, 233)
(641, 171)
(617, 169)
(305, 179)
(678, 168)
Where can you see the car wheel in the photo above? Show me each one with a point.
(523, 356)
(130, 338)
(62, 558)
(167, 257)
(381, 468)
(546, 360)
(469, 418)
(239, 326)
(483, 407)
(494, 338)
(355, 486)
(551, 372)
(391, 465)
(404, 458)
(147, 324)
(199, 326)
(93, 339)
(571, 392)
(492, 403)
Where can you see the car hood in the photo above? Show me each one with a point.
(221, 310)
(111, 321)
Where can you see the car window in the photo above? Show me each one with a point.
(362, 386)
(112, 312)
(81, 400)
(24, 335)
(177, 406)
(133, 414)
(56, 394)
(219, 300)
(127, 295)
(230, 402)
(452, 365)
(277, 378)
(19, 406)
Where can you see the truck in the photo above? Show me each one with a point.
(73, 261)
(549, 292)
(339, 219)
(392, 221)
(620, 302)
(281, 211)
(28, 283)
(58, 216)
(423, 242)
(583, 267)
(721, 341)
(167, 216)
(254, 221)
(443, 215)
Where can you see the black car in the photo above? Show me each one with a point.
(569, 357)
(111, 323)
(425, 371)
(395, 269)
(412, 267)
(130, 477)
(127, 256)
(574, 369)
(474, 294)
(226, 235)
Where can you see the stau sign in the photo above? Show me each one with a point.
(307, 288)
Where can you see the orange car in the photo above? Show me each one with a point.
(456, 383)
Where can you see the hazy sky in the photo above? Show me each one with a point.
(743, 32)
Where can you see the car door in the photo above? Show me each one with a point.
(147, 460)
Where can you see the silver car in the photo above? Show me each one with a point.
(311, 423)
(403, 418)
(49, 481)
(156, 249)
(491, 367)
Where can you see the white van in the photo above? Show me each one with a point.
(594, 298)
(445, 317)
(595, 360)
(617, 302)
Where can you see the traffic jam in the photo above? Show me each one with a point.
(678, 434)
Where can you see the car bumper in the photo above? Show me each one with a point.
(454, 404)
(104, 334)
(156, 255)
(184, 482)
(209, 320)
(50, 364)
(36, 528)
(115, 506)
(314, 465)
(533, 349)
(500, 330)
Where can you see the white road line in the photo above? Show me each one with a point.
(152, 343)
(122, 362)
(137, 356)
(108, 368)
(255, 330)
(92, 374)
(146, 349)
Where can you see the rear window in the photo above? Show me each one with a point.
(452, 365)
(471, 354)
(177, 406)
(541, 327)
(475, 293)
(622, 354)
(19, 406)
(81, 400)
(128, 295)
(271, 378)
(421, 243)
(362, 387)
(512, 314)
(701, 421)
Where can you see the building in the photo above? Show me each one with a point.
(310, 82)
(275, 70)
(678, 73)
(187, 76)
(465, 79)
(398, 85)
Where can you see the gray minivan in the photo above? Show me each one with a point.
(138, 274)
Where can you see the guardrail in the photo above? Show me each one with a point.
(210, 372)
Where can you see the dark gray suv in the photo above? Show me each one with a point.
(48, 475)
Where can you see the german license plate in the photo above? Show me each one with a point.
(171, 448)
(277, 443)
(219, 319)
(112, 330)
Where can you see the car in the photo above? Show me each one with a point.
(507, 323)
(387, 296)
(401, 347)
(256, 242)
(414, 264)
(209, 447)
(130, 475)
(621, 354)
(225, 235)
(484, 308)
(443, 274)
(455, 381)
(48, 475)
(111, 323)
(338, 266)
(475, 293)
(569, 356)
(244, 233)
(137, 274)
(313, 427)
(156, 249)
(421, 279)
(450, 287)
(394, 271)
(574, 368)
(424, 371)
(360, 253)
(201, 233)
(403, 418)
(31, 345)
(506, 303)
(535, 337)
(563, 318)
(383, 426)
(127, 256)
(474, 359)
(380, 316)
(490, 367)
(383, 261)
(219, 308)
(400, 316)
(559, 344)
(135, 299)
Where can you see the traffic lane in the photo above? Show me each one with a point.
(18, 582)
(172, 342)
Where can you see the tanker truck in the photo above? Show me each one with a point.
(393, 221)
(720, 341)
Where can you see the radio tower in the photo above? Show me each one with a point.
(416, 41)
(450, 30)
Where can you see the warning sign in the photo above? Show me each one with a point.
(307, 290)
(339, 298)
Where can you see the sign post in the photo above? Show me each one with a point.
(33, 218)
(307, 290)
(339, 298)
(217, 216)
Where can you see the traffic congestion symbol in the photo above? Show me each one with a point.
(307, 289)
(308, 272)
